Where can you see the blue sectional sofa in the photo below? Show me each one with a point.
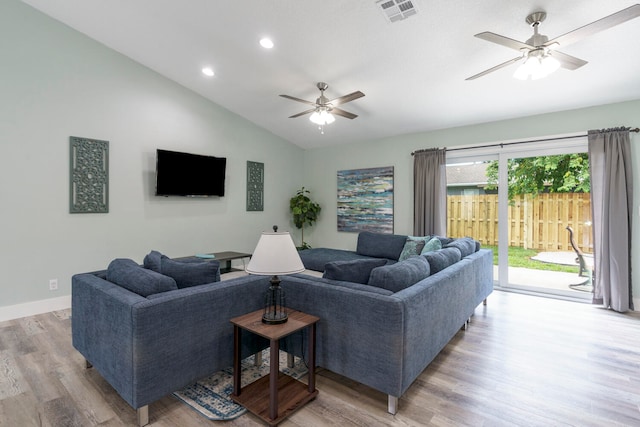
(382, 332)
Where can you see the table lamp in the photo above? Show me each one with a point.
(275, 255)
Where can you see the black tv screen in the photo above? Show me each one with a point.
(185, 174)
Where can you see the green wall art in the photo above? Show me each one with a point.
(255, 186)
(89, 175)
(365, 200)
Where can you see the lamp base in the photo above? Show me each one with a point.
(275, 312)
(277, 319)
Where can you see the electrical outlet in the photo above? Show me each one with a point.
(53, 284)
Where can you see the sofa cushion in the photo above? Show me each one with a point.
(443, 258)
(466, 245)
(152, 261)
(413, 246)
(401, 275)
(380, 245)
(432, 245)
(191, 273)
(316, 258)
(144, 282)
(356, 271)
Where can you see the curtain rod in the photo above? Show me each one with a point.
(502, 144)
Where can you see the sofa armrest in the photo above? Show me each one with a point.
(148, 348)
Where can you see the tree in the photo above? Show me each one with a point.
(568, 173)
(304, 211)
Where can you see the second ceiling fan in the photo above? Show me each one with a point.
(539, 49)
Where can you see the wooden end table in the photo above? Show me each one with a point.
(276, 396)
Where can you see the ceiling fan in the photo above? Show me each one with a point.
(539, 56)
(323, 109)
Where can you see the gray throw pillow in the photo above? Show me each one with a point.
(432, 245)
(401, 275)
(466, 245)
(413, 246)
(443, 258)
(191, 273)
(128, 274)
(356, 271)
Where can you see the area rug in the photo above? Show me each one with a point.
(211, 396)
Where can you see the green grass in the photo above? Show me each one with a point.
(519, 257)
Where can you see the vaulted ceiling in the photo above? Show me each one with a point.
(411, 71)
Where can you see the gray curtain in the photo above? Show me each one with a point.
(429, 192)
(611, 204)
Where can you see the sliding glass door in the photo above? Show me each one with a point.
(518, 200)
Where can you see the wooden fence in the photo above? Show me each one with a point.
(535, 222)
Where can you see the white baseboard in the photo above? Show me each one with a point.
(636, 304)
(17, 311)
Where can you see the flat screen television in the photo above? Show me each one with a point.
(185, 174)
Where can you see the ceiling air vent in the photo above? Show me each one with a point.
(397, 10)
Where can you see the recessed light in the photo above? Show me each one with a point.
(208, 71)
(266, 43)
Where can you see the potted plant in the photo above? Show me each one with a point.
(305, 212)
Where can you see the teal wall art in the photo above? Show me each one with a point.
(255, 186)
(89, 175)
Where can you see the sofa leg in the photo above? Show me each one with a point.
(392, 405)
(484, 302)
(143, 415)
(257, 359)
(87, 364)
(290, 360)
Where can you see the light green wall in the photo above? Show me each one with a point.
(321, 165)
(55, 83)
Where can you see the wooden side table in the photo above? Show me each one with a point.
(276, 396)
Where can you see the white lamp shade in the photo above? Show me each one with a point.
(274, 255)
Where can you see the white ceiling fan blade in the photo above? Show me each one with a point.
(567, 61)
(597, 26)
(497, 67)
(502, 40)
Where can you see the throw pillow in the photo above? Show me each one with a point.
(191, 273)
(441, 259)
(152, 261)
(466, 245)
(432, 245)
(413, 246)
(396, 277)
(356, 271)
(126, 273)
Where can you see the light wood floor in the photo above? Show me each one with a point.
(524, 361)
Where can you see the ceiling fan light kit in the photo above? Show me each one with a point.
(539, 56)
(536, 65)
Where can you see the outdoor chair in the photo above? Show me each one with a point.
(586, 264)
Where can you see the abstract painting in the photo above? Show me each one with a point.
(365, 200)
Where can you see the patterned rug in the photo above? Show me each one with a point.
(211, 396)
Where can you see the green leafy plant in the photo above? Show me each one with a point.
(567, 173)
(304, 211)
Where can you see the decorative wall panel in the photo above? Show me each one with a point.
(89, 175)
(255, 186)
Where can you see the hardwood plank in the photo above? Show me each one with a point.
(523, 361)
